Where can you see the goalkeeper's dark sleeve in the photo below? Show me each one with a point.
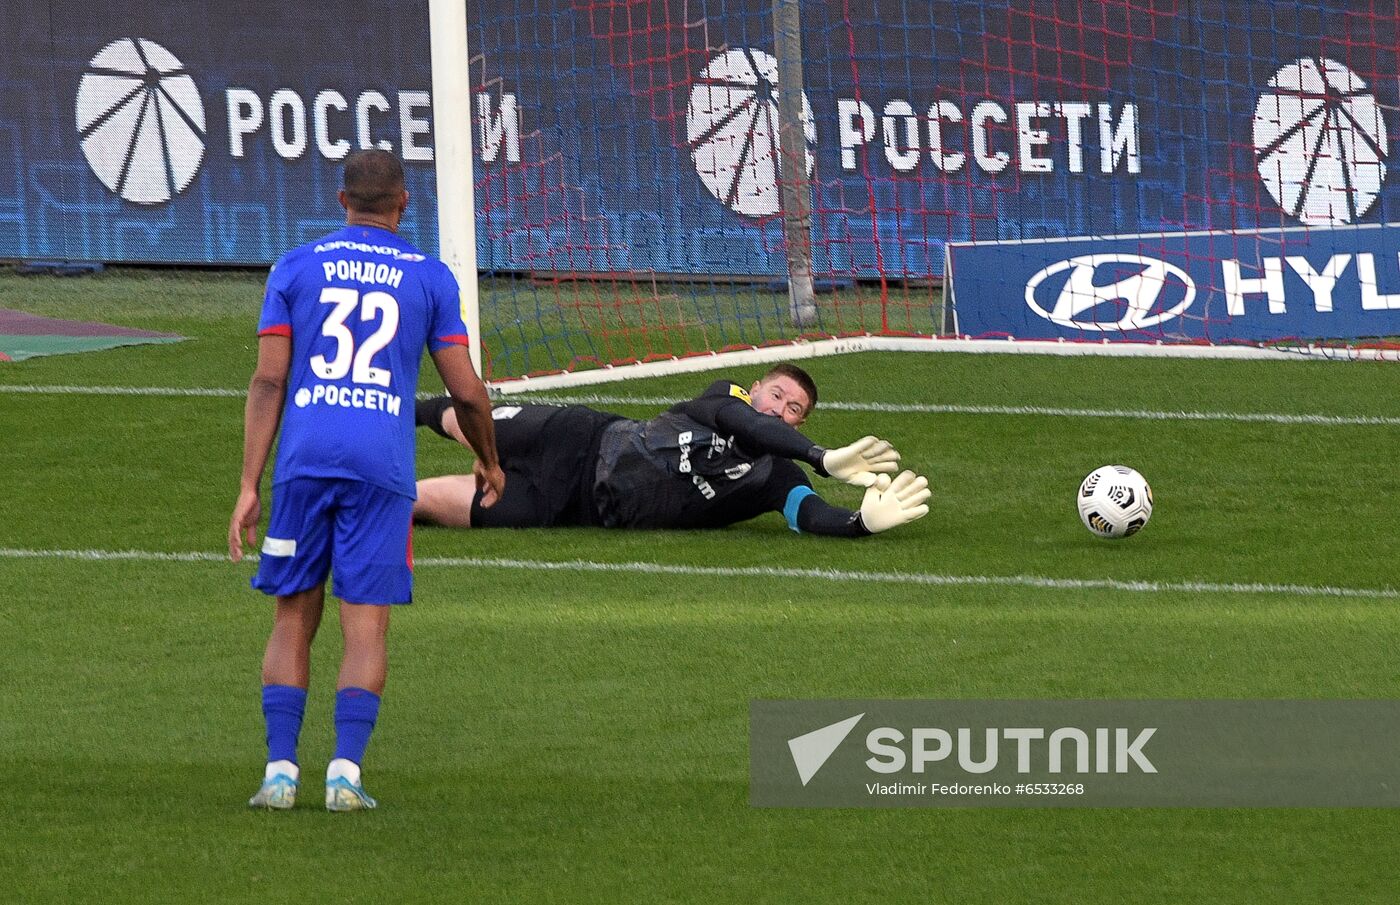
(816, 516)
(428, 413)
(758, 434)
(789, 490)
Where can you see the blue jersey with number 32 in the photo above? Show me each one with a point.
(359, 305)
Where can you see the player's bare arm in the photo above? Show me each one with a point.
(472, 407)
(262, 414)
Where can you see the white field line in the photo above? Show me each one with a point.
(71, 390)
(915, 408)
(894, 408)
(839, 576)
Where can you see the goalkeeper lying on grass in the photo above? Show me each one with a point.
(726, 456)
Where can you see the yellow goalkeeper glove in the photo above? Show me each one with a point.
(861, 462)
(890, 503)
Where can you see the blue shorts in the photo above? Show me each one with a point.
(361, 533)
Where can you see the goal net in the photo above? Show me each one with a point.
(1133, 173)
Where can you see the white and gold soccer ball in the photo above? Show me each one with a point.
(1114, 501)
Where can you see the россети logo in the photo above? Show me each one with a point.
(140, 121)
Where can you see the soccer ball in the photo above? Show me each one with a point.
(1114, 501)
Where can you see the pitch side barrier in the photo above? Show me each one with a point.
(1238, 152)
(217, 138)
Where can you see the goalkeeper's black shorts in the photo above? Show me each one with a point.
(549, 454)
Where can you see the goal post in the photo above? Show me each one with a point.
(796, 191)
(452, 154)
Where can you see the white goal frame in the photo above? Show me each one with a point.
(456, 210)
(452, 158)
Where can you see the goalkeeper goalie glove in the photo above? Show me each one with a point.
(861, 462)
(888, 504)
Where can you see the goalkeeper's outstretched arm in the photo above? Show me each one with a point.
(857, 464)
(887, 504)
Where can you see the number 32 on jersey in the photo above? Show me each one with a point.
(348, 359)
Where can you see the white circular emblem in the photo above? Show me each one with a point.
(1321, 142)
(303, 398)
(140, 121)
(732, 126)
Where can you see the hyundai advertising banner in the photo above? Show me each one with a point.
(1193, 287)
(641, 136)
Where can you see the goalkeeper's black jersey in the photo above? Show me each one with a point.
(679, 470)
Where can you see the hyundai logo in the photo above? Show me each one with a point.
(1112, 292)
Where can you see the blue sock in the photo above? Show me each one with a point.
(283, 707)
(355, 712)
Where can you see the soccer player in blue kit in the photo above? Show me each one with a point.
(344, 323)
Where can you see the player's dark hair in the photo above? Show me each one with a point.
(797, 376)
(373, 181)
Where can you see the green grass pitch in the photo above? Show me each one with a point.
(581, 736)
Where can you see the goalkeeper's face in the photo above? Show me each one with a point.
(781, 397)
